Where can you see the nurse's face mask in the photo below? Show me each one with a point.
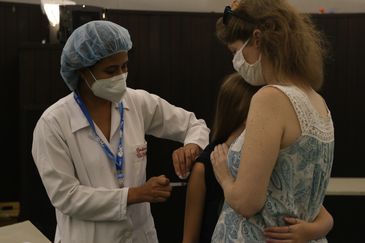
(111, 89)
(251, 73)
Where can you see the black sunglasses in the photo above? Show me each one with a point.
(228, 12)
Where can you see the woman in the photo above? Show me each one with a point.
(204, 196)
(90, 148)
(282, 166)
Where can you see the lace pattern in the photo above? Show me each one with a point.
(311, 122)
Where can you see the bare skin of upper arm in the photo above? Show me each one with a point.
(270, 118)
(194, 205)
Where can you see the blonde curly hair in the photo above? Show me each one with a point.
(288, 39)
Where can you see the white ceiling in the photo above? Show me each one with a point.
(312, 6)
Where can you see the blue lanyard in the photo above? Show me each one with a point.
(119, 158)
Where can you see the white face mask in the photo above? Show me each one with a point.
(251, 73)
(111, 89)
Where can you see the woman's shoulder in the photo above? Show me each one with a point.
(59, 114)
(270, 106)
(270, 97)
(59, 107)
(140, 97)
(139, 93)
(273, 91)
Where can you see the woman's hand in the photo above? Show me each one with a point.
(156, 189)
(183, 159)
(219, 163)
(297, 231)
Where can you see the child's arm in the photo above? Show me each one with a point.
(301, 231)
(194, 204)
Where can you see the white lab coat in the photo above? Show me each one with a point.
(80, 179)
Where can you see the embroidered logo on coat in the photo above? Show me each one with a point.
(141, 151)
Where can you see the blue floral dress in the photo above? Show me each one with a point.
(298, 182)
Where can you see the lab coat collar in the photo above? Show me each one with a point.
(78, 120)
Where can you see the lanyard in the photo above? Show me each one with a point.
(117, 159)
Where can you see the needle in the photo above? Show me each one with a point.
(175, 184)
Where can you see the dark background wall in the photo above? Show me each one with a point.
(176, 56)
(18, 23)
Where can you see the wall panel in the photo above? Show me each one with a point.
(18, 23)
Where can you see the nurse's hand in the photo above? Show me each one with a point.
(156, 189)
(183, 159)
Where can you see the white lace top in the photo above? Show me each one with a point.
(298, 182)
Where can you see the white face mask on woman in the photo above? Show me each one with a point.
(252, 73)
(111, 89)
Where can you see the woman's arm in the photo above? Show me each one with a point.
(264, 130)
(301, 231)
(164, 120)
(194, 205)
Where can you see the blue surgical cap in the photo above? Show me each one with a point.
(90, 43)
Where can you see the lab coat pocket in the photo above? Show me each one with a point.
(136, 161)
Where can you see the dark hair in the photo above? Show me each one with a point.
(288, 39)
(233, 103)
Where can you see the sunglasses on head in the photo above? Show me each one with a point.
(228, 12)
